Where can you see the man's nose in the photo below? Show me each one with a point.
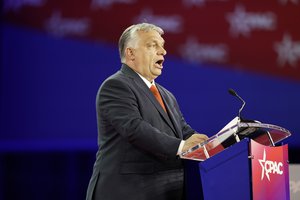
(162, 51)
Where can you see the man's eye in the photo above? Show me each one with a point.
(151, 45)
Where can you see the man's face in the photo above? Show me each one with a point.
(149, 54)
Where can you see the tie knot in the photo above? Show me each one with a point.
(154, 89)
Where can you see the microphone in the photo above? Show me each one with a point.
(233, 93)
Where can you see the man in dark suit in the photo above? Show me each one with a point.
(139, 136)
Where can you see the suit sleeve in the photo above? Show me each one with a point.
(117, 104)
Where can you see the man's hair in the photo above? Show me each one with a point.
(129, 34)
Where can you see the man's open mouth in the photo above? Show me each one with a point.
(159, 62)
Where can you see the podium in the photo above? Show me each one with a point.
(240, 162)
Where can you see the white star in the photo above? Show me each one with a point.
(237, 21)
(263, 170)
(287, 51)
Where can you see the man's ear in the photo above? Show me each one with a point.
(130, 53)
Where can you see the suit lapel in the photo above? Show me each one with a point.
(152, 98)
(170, 110)
(140, 83)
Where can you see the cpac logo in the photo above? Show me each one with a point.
(195, 51)
(243, 22)
(269, 167)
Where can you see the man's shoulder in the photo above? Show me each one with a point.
(122, 74)
(118, 76)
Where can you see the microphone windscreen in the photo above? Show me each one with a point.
(232, 92)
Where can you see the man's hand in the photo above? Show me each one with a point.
(193, 141)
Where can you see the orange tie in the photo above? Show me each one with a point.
(156, 93)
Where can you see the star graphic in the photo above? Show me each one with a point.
(263, 170)
(288, 51)
(238, 22)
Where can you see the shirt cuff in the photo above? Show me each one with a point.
(180, 147)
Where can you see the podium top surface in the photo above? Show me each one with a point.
(233, 132)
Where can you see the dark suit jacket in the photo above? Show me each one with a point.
(136, 137)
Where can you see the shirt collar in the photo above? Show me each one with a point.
(148, 83)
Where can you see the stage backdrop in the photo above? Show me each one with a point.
(55, 55)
